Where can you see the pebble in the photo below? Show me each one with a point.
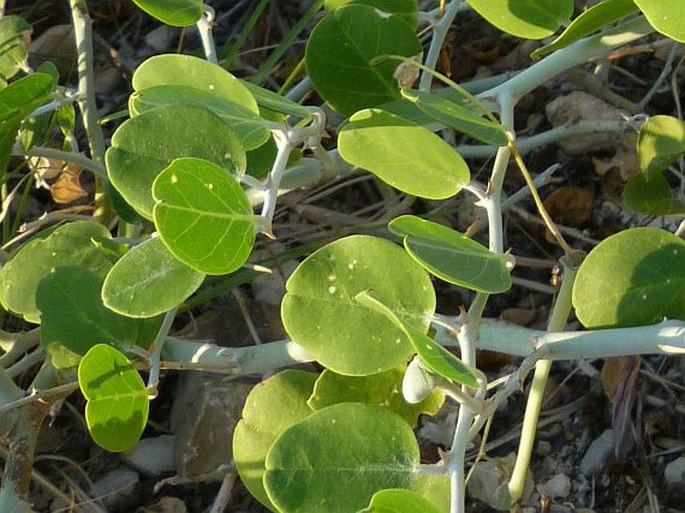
(598, 454)
(153, 456)
(674, 473)
(116, 489)
(558, 487)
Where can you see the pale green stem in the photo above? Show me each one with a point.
(83, 34)
(440, 30)
(157, 347)
(204, 27)
(557, 322)
(67, 156)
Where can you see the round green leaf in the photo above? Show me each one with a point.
(589, 21)
(275, 102)
(651, 195)
(341, 53)
(633, 278)
(338, 457)
(452, 256)
(148, 281)
(118, 405)
(144, 145)
(15, 38)
(384, 389)
(407, 156)
(271, 407)
(72, 314)
(528, 19)
(666, 16)
(203, 216)
(660, 142)
(437, 358)
(459, 117)
(71, 244)
(319, 310)
(407, 9)
(398, 500)
(177, 13)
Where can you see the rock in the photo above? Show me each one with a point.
(488, 482)
(167, 505)
(558, 487)
(116, 489)
(598, 453)
(152, 456)
(206, 409)
(674, 473)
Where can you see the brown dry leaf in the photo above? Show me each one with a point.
(68, 188)
(572, 205)
(619, 376)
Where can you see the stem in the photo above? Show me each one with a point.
(440, 29)
(83, 34)
(204, 27)
(157, 347)
(285, 145)
(67, 156)
(557, 321)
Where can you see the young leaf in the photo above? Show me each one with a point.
(271, 407)
(405, 155)
(457, 116)
(118, 405)
(633, 278)
(341, 52)
(72, 314)
(148, 280)
(383, 389)
(595, 18)
(71, 244)
(320, 312)
(407, 9)
(15, 38)
(143, 146)
(651, 196)
(177, 13)
(203, 216)
(398, 500)
(337, 458)
(660, 142)
(528, 19)
(666, 16)
(437, 358)
(451, 256)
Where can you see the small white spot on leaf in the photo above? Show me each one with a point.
(331, 289)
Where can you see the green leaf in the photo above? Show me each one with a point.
(177, 13)
(660, 142)
(595, 18)
(275, 102)
(651, 196)
(338, 457)
(15, 39)
(452, 256)
(203, 216)
(383, 389)
(457, 116)
(407, 9)
(72, 314)
(320, 312)
(143, 146)
(407, 156)
(17, 101)
(341, 53)
(271, 407)
(71, 244)
(118, 405)
(148, 280)
(633, 278)
(398, 500)
(527, 19)
(437, 358)
(666, 16)
(187, 80)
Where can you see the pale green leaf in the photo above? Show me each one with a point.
(666, 16)
(398, 500)
(15, 38)
(528, 19)
(177, 13)
(660, 142)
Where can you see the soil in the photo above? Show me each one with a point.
(583, 196)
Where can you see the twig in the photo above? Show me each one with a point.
(204, 27)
